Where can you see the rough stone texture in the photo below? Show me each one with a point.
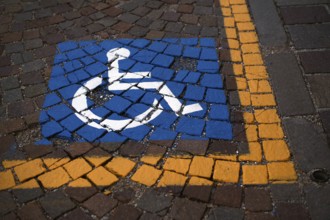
(285, 192)
(31, 211)
(315, 61)
(100, 204)
(310, 36)
(257, 199)
(291, 211)
(320, 90)
(304, 14)
(228, 195)
(307, 157)
(123, 212)
(292, 95)
(325, 118)
(187, 209)
(318, 201)
(7, 203)
(226, 213)
(153, 202)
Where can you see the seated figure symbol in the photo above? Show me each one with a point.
(118, 80)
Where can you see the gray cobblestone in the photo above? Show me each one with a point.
(35, 90)
(14, 47)
(12, 95)
(9, 83)
(32, 44)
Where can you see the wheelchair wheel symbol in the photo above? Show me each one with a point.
(115, 78)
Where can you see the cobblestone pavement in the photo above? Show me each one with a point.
(164, 109)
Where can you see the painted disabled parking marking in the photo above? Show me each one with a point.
(146, 98)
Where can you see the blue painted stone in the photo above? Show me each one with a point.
(96, 69)
(207, 66)
(165, 120)
(72, 123)
(171, 40)
(190, 125)
(180, 75)
(109, 44)
(58, 112)
(157, 46)
(43, 117)
(192, 77)
(87, 60)
(194, 92)
(78, 76)
(212, 80)
(50, 128)
(215, 96)
(163, 134)
(136, 109)
(192, 52)
(125, 41)
(68, 92)
(174, 50)
(140, 43)
(57, 71)
(132, 50)
(75, 54)
(64, 135)
(101, 57)
(43, 141)
(189, 41)
(198, 114)
(60, 58)
(141, 67)
(117, 104)
(92, 49)
(57, 83)
(150, 97)
(219, 112)
(66, 46)
(219, 130)
(163, 60)
(134, 95)
(85, 43)
(166, 106)
(89, 133)
(100, 111)
(112, 137)
(191, 137)
(126, 64)
(176, 88)
(136, 134)
(207, 42)
(51, 99)
(72, 66)
(162, 73)
(145, 56)
(209, 54)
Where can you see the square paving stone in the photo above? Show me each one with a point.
(31, 211)
(124, 212)
(76, 214)
(56, 203)
(100, 204)
(226, 213)
(154, 202)
(320, 90)
(228, 195)
(291, 211)
(257, 199)
(187, 209)
(7, 203)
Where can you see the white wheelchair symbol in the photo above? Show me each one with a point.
(79, 102)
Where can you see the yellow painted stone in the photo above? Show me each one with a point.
(259, 86)
(80, 183)
(276, 150)
(248, 117)
(230, 33)
(231, 157)
(28, 185)
(232, 43)
(172, 179)
(97, 157)
(12, 163)
(54, 178)
(255, 72)
(226, 171)
(240, 9)
(237, 2)
(237, 69)
(245, 26)
(251, 133)
(178, 165)
(263, 100)
(146, 175)
(101, 177)
(152, 160)
(242, 17)
(224, 3)
(250, 48)
(226, 11)
(7, 180)
(270, 131)
(196, 181)
(29, 169)
(254, 174)
(229, 22)
(120, 166)
(252, 59)
(266, 116)
(201, 166)
(235, 56)
(241, 83)
(248, 37)
(281, 171)
(53, 163)
(77, 168)
(255, 153)
(244, 98)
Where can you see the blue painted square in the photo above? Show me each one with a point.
(149, 97)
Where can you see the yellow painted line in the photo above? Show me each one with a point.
(268, 160)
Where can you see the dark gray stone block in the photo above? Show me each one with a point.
(318, 201)
(289, 86)
(320, 87)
